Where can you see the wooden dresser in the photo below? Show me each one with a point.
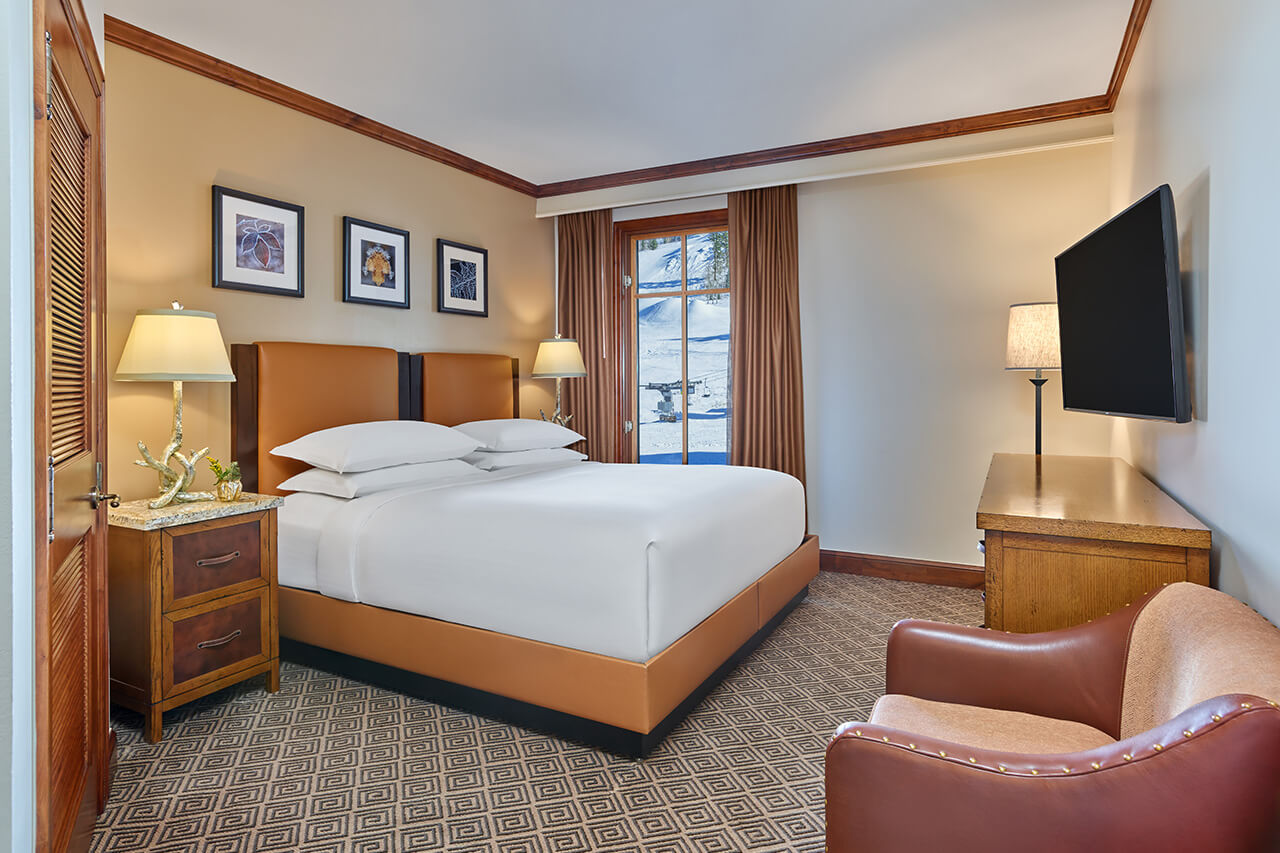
(192, 601)
(1071, 538)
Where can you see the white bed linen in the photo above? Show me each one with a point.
(620, 560)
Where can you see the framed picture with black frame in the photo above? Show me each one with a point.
(462, 278)
(257, 243)
(375, 264)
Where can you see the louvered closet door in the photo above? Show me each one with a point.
(73, 741)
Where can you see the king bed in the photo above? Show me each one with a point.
(596, 602)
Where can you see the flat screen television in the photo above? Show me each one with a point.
(1120, 316)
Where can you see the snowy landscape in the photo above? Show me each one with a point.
(658, 343)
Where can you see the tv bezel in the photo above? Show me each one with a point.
(1173, 296)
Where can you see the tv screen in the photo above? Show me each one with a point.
(1120, 316)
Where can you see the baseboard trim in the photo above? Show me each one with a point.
(900, 569)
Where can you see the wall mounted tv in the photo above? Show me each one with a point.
(1120, 316)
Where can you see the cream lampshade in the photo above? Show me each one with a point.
(1033, 337)
(1033, 345)
(558, 358)
(174, 345)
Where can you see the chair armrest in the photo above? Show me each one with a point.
(1070, 674)
(1216, 788)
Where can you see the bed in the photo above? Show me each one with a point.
(596, 602)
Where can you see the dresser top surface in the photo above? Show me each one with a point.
(139, 516)
(1083, 496)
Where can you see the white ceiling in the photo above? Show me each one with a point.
(556, 89)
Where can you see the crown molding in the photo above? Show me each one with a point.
(135, 38)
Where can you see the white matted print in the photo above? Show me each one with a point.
(257, 243)
(462, 278)
(375, 264)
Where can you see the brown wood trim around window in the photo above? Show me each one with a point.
(158, 47)
(623, 233)
(900, 569)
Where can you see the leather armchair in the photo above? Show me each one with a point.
(1155, 727)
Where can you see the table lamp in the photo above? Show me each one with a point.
(558, 358)
(1033, 345)
(174, 345)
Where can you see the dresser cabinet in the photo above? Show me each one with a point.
(192, 602)
(1071, 538)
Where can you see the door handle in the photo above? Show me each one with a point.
(96, 497)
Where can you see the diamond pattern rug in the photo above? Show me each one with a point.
(329, 764)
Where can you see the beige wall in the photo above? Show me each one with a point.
(171, 135)
(1197, 113)
(906, 281)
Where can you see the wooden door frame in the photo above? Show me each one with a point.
(623, 233)
(72, 43)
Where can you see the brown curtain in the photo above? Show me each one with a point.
(589, 311)
(767, 418)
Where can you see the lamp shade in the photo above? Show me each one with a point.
(1033, 337)
(558, 358)
(174, 345)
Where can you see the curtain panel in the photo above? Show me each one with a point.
(590, 310)
(767, 417)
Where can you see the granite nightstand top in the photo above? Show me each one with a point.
(139, 516)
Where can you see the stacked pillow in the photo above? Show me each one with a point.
(508, 442)
(360, 459)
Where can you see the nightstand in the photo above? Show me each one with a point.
(192, 601)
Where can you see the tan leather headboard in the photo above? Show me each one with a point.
(462, 387)
(302, 388)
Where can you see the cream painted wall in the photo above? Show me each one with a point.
(905, 285)
(171, 135)
(1197, 113)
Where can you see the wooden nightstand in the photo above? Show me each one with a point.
(192, 600)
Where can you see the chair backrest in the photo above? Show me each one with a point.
(1191, 643)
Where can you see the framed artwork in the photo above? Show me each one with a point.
(462, 278)
(257, 243)
(375, 264)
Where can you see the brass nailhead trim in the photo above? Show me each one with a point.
(1128, 757)
(885, 738)
(1097, 766)
(1217, 718)
(1158, 747)
(1186, 732)
(857, 732)
(1035, 772)
(1066, 770)
(1246, 705)
(942, 754)
(973, 761)
(1001, 768)
(911, 746)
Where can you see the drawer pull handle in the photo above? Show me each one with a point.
(217, 561)
(221, 641)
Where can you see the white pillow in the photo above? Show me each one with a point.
(322, 482)
(507, 434)
(487, 460)
(377, 444)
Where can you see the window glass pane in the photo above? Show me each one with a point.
(659, 401)
(708, 260)
(659, 264)
(709, 379)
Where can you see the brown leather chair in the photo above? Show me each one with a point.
(1154, 728)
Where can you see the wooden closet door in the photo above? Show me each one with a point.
(73, 740)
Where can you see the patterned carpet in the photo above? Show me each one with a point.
(329, 764)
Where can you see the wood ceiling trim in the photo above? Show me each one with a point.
(156, 46)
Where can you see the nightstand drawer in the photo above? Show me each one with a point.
(214, 558)
(206, 642)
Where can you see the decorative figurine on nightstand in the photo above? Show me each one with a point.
(228, 485)
(174, 345)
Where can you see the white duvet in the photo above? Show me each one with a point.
(620, 560)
